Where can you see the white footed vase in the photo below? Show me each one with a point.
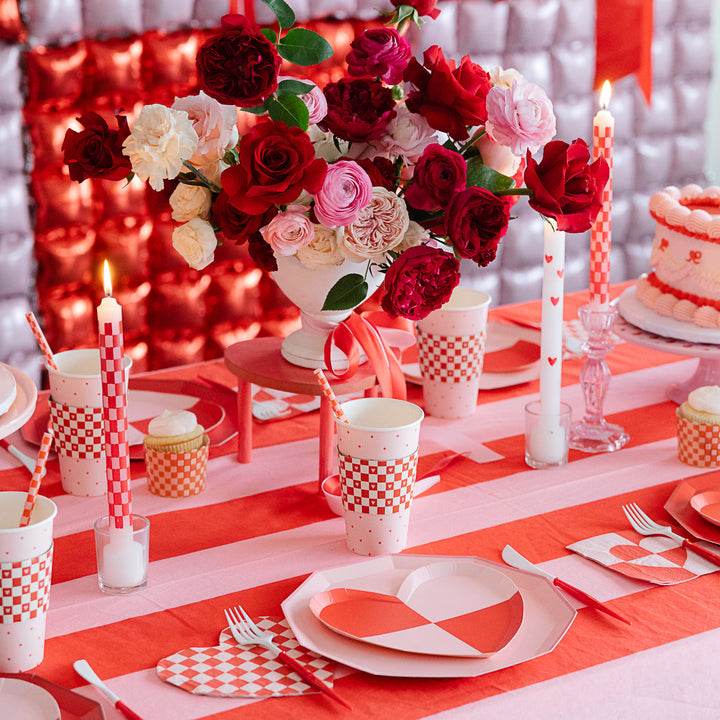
(307, 288)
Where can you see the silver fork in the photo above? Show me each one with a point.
(246, 632)
(270, 409)
(645, 526)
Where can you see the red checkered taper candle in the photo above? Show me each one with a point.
(114, 400)
(37, 476)
(600, 234)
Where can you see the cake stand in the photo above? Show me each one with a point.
(636, 324)
(23, 406)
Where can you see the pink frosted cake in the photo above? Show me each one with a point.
(685, 281)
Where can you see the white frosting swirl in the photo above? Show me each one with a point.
(705, 399)
(172, 422)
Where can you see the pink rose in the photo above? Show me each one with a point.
(346, 190)
(380, 227)
(314, 100)
(407, 135)
(379, 53)
(520, 116)
(288, 231)
(215, 125)
(419, 281)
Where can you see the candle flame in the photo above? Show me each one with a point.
(107, 282)
(605, 94)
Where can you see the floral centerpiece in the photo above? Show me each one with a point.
(390, 175)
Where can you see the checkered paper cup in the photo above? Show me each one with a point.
(698, 443)
(451, 347)
(76, 415)
(378, 451)
(177, 474)
(25, 570)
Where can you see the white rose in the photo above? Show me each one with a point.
(189, 201)
(214, 123)
(499, 76)
(160, 140)
(196, 242)
(407, 135)
(323, 251)
(324, 145)
(416, 235)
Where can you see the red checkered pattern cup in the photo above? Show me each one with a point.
(451, 347)
(177, 474)
(25, 571)
(378, 451)
(698, 443)
(76, 415)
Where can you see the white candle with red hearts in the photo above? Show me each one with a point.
(600, 233)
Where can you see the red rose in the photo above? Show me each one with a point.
(475, 221)
(96, 151)
(565, 186)
(449, 98)
(235, 224)
(358, 109)
(419, 281)
(261, 253)
(276, 163)
(438, 175)
(423, 7)
(239, 66)
(380, 170)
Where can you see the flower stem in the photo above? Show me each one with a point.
(514, 191)
(472, 141)
(209, 183)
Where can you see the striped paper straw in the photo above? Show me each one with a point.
(41, 340)
(37, 476)
(330, 395)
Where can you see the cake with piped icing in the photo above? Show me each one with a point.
(684, 283)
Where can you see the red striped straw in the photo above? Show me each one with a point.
(41, 340)
(37, 476)
(330, 395)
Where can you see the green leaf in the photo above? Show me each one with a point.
(348, 292)
(282, 11)
(294, 87)
(260, 109)
(270, 34)
(304, 47)
(480, 175)
(291, 110)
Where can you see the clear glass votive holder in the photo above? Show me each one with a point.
(547, 436)
(122, 555)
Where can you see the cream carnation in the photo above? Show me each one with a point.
(288, 231)
(381, 226)
(323, 250)
(215, 125)
(196, 242)
(189, 201)
(161, 138)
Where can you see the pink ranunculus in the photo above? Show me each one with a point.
(215, 125)
(347, 189)
(288, 231)
(379, 53)
(314, 100)
(520, 116)
(407, 135)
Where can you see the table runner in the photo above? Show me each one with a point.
(260, 529)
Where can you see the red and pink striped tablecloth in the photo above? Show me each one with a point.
(260, 529)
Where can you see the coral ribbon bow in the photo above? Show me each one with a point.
(361, 330)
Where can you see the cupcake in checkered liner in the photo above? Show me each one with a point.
(698, 427)
(175, 431)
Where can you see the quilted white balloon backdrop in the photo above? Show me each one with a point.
(63, 56)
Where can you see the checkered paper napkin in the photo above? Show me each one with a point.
(656, 559)
(232, 670)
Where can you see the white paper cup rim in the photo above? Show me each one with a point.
(414, 413)
(85, 356)
(465, 298)
(13, 501)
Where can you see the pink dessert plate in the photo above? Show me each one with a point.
(147, 398)
(680, 508)
(457, 608)
(20, 699)
(547, 615)
(708, 505)
(73, 706)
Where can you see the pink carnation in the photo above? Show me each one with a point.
(288, 231)
(347, 189)
(520, 116)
